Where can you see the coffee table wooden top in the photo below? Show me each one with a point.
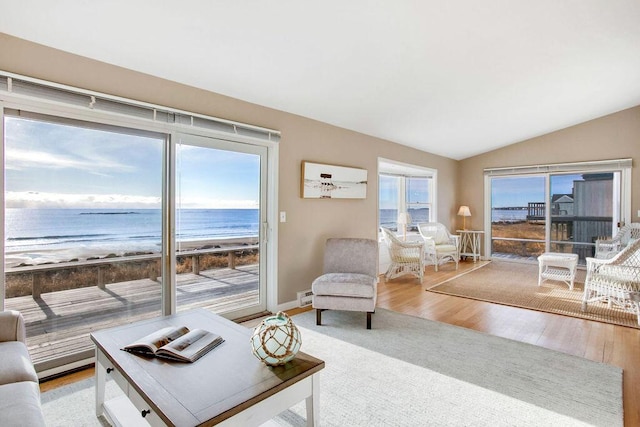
(219, 385)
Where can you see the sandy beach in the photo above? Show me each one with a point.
(20, 258)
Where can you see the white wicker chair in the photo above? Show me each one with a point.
(440, 245)
(406, 257)
(608, 248)
(615, 280)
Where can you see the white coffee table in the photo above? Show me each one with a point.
(557, 266)
(227, 387)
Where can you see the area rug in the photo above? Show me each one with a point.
(516, 284)
(408, 371)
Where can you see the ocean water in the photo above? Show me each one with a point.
(508, 215)
(389, 217)
(50, 235)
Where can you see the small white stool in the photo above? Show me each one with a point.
(557, 266)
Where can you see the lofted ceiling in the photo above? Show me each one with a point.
(454, 78)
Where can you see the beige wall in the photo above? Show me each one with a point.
(309, 222)
(614, 136)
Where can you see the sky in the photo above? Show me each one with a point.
(417, 191)
(52, 165)
(519, 191)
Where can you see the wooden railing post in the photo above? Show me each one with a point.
(155, 270)
(195, 264)
(36, 285)
(232, 260)
(100, 277)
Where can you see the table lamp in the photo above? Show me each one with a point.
(464, 212)
(404, 219)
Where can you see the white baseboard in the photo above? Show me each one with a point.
(286, 306)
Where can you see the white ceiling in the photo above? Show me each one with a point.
(455, 78)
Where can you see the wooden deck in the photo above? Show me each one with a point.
(59, 323)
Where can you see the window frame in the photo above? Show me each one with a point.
(623, 166)
(404, 171)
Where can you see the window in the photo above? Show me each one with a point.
(565, 209)
(418, 199)
(389, 188)
(405, 189)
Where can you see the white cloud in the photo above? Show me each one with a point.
(35, 199)
(20, 159)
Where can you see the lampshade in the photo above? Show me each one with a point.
(464, 211)
(404, 218)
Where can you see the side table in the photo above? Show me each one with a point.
(557, 266)
(470, 243)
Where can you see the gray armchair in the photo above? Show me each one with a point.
(350, 279)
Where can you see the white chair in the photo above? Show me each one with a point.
(350, 277)
(608, 248)
(615, 280)
(440, 245)
(406, 257)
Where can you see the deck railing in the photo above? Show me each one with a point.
(39, 272)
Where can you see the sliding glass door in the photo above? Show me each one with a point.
(583, 208)
(220, 197)
(106, 225)
(83, 231)
(518, 216)
(557, 212)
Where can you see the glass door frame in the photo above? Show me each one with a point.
(169, 302)
(623, 166)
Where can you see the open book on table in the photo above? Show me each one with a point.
(176, 343)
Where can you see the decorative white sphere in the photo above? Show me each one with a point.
(276, 340)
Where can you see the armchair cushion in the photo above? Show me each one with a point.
(348, 255)
(447, 248)
(16, 363)
(345, 284)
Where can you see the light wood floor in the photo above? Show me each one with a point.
(615, 345)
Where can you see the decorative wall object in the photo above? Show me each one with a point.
(320, 181)
(276, 340)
